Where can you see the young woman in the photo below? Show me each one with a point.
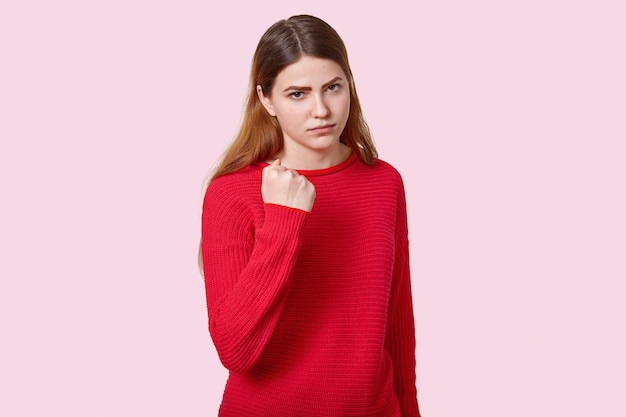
(304, 244)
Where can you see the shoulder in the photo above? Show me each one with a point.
(383, 172)
(235, 189)
(381, 180)
(386, 167)
(236, 182)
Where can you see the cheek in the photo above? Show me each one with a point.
(294, 113)
(344, 106)
(290, 115)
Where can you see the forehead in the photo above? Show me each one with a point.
(309, 71)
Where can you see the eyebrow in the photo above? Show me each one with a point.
(295, 87)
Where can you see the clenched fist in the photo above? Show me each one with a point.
(286, 187)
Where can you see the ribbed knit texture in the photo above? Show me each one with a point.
(311, 312)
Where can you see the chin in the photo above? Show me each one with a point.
(325, 142)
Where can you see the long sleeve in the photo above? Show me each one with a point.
(312, 312)
(246, 270)
(400, 340)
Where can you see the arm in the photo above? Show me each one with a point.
(246, 272)
(400, 341)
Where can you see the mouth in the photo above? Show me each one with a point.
(323, 128)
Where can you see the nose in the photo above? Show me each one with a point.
(320, 109)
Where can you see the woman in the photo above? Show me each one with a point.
(304, 244)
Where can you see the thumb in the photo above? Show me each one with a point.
(269, 168)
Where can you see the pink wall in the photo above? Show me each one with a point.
(506, 121)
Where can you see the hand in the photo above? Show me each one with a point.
(286, 187)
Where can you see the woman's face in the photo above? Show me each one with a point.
(311, 101)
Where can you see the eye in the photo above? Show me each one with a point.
(333, 87)
(296, 94)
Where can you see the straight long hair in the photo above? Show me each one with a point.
(284, 43)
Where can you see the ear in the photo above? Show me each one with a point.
(267, 103)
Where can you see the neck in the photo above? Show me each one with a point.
(313, 160)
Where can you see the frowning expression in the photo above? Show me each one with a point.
(311, 101)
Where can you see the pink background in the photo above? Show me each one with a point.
(506, 119)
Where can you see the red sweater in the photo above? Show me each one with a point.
(311, 312)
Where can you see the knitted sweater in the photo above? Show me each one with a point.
(311, 313)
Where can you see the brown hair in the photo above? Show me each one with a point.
(285, 42)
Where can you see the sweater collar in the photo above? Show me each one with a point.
(324, 171)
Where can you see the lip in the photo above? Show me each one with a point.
(322, 129)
